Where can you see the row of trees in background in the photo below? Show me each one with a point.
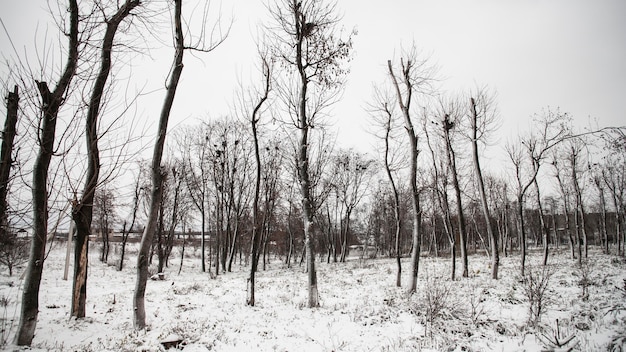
(267, 179)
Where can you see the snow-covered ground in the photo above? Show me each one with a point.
(361, 309)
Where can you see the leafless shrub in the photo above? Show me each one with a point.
(6, 324)
(558, 338)
(435, 301)
(475, 300)
(584, 272)
(13, 252)
(535, 284)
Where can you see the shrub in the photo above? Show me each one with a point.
(535, 284)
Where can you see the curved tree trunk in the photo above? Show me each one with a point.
(447, 125)
(493, 237)
(139, 310)
(51, 103)
(415, 193)
(82, 212)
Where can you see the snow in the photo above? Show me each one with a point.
(361, 309)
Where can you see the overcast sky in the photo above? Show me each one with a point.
(535, 53)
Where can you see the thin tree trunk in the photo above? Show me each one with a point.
(581, 230)
(182, 254)
(522, 231)
(544, 226)
(566, 211)
(415, 196)
(70, 237)
(447, 125)
(493, 238)
(6, 159)
(139, 311)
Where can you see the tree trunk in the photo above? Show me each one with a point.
(566, 211)
(415, 196)
(522, 231)
(255, 212)
(51, 103)
(6, 159)
(139, 311)
(447, 125)
(544, 226)
(82, 212)
(202, 236)
(581, 230)
(493, 238)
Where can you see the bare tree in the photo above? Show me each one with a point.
(139, 311)
(600, 188)
(51, 102)
(305, 40)
(549, 130)
(441, 171)
(259, 98)
(614, 177)
(482, 115)
(383, 114)
(415, 76)
(573, 149)
(128, 227)
(105, 216)
(448, 117)
(82, 212)
(194, 146)
(565, 196)
(352, 175)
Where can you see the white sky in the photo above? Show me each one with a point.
(535, 53)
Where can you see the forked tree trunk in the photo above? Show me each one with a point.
(447, 126)
(139, 309)
(82, 212)
(51, 103)
(493, 237)
(415, 196)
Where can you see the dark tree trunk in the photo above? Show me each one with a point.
(545, 231)
(51, 103)
(139, 310)
(6, 161)
(82, 212)
(522, 231)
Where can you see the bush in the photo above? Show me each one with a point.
(13, 252)
(535, 284)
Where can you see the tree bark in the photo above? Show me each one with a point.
(396, 199)
(415, 196)
(139, 311)
(493, 237)
(6, 159)
(545, 232)
(51, 103)
(82, 212)
(447, 125)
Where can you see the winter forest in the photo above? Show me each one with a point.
(260, 230)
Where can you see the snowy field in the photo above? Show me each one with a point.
(361, 309)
